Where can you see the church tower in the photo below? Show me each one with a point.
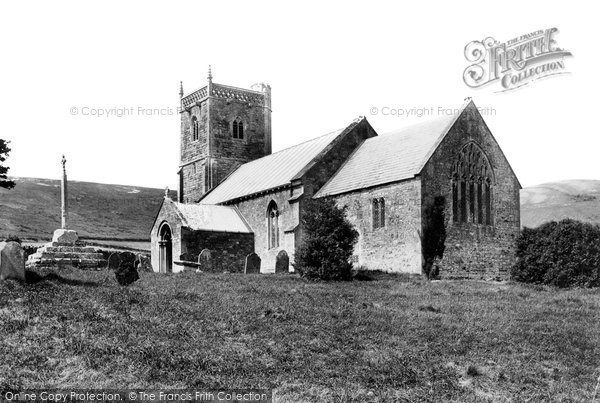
(222, 127)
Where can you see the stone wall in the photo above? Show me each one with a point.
(206, 162)
(228, 249)
(193, 153)
(254, 212)
(474, 250)
(396, 247)
(331, 161)
(222, 114)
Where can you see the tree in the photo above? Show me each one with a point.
(4, 151)
(328, 242)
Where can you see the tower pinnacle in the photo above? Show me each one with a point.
(209, 74)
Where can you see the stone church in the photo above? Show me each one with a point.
(236, 198)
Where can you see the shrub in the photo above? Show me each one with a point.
(563, 254)
(328, 242)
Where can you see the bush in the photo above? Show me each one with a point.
(328, 242)
(563, 254)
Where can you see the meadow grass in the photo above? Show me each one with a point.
(392, 339)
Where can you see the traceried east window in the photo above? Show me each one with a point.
(472, 187)
(273, 225)
(238, 128)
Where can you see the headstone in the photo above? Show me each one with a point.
(114, 261)
(143, 263)
(187, 257)
(127, 259)
(12, 261)
(252, 264)
(205, 260)
(126, 274)
(282, 262)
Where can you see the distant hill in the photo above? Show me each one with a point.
(32, 209)
(577, 199)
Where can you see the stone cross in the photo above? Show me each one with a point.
(64, 208)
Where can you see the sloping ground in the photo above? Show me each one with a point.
(32, 209)
(378, 341)
(577, 199)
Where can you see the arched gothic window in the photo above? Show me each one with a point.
(378, 213)
(472, 180)
(273, 225)
(195, 128)
(238, 128)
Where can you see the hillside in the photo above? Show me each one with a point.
(577, 199)
(32, 209)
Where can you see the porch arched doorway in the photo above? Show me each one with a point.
(165, 249)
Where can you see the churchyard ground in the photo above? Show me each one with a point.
(389, 339)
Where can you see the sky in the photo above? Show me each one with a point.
(327, 63)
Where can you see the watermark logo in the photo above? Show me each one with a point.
(514, 63)
(423, 111)
(123, 111)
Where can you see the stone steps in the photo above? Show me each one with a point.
(67, 255)
(69, 249)
(55, 253)
(81, 263)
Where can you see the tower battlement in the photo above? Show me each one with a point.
(225, 92)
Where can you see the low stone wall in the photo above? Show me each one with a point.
(228, 249)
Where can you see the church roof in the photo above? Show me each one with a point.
(390, 157)
(211, 217)
(269, 172)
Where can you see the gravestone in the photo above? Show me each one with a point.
(126, 273)
(282, 262)
(252, 264)
(205, 260)
(114, 261)
(12, 261)
(188, 257)
(127, 259)
(143, 263)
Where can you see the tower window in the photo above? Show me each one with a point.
(195, 128)
(273, 225)
(238, 128)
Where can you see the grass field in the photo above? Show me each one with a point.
(384, 340)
